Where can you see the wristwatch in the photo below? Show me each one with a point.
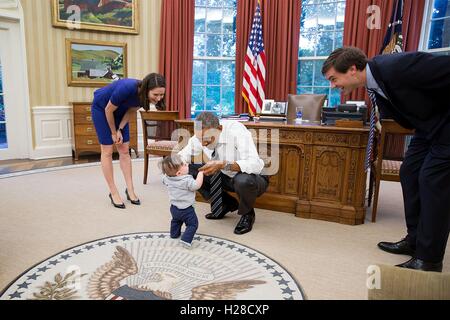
(228, 166)
(121, 130)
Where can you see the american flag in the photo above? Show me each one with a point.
(393, 41)
(254, 82)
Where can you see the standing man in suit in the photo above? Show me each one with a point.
(234, 166)
(413, 89)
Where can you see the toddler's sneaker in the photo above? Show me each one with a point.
(185, 244)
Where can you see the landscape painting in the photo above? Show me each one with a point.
(101, 15)
(94, 63)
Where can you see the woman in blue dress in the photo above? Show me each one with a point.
(112, 108)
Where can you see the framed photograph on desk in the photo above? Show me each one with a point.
(279, 108)
(274, 108)
(267, 106)
(273, 111)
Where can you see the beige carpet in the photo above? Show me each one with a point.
(45, 213)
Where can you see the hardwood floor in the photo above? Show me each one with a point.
(12, 166)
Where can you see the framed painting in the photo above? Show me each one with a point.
(100, 15)
(95, 63)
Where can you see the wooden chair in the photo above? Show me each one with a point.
(157, 121)
(382, 168)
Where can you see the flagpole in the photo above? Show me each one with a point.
(253, 85)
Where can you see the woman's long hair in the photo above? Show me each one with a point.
(150, 82)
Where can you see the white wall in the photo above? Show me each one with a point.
(53, 126)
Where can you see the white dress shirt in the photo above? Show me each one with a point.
(372, 83)
(235, 145)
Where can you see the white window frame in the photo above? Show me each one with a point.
(426, 29)
(206, 59)
(313, 58)
(317, 58)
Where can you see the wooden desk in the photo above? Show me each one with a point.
(321, 170)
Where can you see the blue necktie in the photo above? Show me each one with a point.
(216, 191)
(369, 151)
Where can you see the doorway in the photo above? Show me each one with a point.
(14, 112)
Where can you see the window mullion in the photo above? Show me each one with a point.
(439, 19)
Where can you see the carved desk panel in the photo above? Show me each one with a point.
(320, 169)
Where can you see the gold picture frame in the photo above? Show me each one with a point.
(95, 63)
(116, 16)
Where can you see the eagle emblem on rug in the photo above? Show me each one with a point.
(112, 281)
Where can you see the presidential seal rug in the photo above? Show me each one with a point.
(152, 266)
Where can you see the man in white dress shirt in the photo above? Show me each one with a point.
(234, 165)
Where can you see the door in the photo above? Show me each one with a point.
(14, 122)
(3, 135)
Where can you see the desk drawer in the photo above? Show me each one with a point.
(86, 118)
(85, 130)
(86, 142)
(83, 119)
(88, 129)
(82, 109)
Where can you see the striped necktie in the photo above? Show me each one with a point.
(369, 151)
(216, 191)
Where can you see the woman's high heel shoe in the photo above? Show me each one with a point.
(119, 206)
(135, 202)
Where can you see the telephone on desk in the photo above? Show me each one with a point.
(344, 112)
(241, 117)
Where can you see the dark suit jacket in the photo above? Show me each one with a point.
(417, 85)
